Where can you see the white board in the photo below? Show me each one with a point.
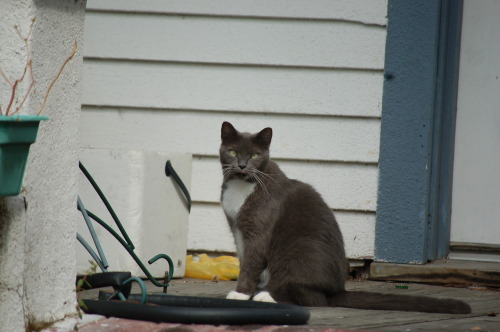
(146, 201)
(476, 179)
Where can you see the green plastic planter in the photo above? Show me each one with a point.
(17, 133)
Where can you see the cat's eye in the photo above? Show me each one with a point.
(255, 156)
(232, 153)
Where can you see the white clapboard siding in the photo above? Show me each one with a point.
(343, 186)
(295, 137)
(232, 88)
(234, 41)
(163, 75)
(208, 230)
(365, 11)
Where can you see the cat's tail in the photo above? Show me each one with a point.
(376, 301)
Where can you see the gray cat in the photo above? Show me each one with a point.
(289, 244)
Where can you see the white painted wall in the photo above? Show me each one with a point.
(37, 228)
(167, 74)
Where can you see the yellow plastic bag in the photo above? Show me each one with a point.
(218, 268)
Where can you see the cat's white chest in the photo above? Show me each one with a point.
(236, 193)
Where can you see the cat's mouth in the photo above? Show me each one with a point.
(242, 176)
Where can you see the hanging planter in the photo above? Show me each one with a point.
(17, 133)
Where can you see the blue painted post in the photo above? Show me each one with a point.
(401, 233)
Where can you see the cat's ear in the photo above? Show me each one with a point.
(228, 133)
(264, 137)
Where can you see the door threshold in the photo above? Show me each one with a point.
(476, 257)
(449, 272)
(475, 251)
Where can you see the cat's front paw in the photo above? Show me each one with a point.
(264, 297)
(234, 295)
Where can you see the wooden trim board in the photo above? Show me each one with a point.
(455, 272)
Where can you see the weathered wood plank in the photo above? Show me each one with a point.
(447, 272)
(343, 186)
(483, 323)
(345, 318)
(365, 11)
(395, 319)
(227, 88)
(484, 306)
(234, 41)
(321, 138)
(374, 319)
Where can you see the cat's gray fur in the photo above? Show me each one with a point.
(288, 240)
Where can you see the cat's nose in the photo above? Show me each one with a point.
(242, 167)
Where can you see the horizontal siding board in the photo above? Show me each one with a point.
(358, 230)
(208, 230)
(295, 137)
(343, 186)
(234, 41)
(365, 11)
(228, 88)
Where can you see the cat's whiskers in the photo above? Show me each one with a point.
(261, 184)
(227, 171)
(266, 175)
(254, 173)
(226, 175)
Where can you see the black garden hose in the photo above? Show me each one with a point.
(107, 279)
(200, 310)
(170, 171)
